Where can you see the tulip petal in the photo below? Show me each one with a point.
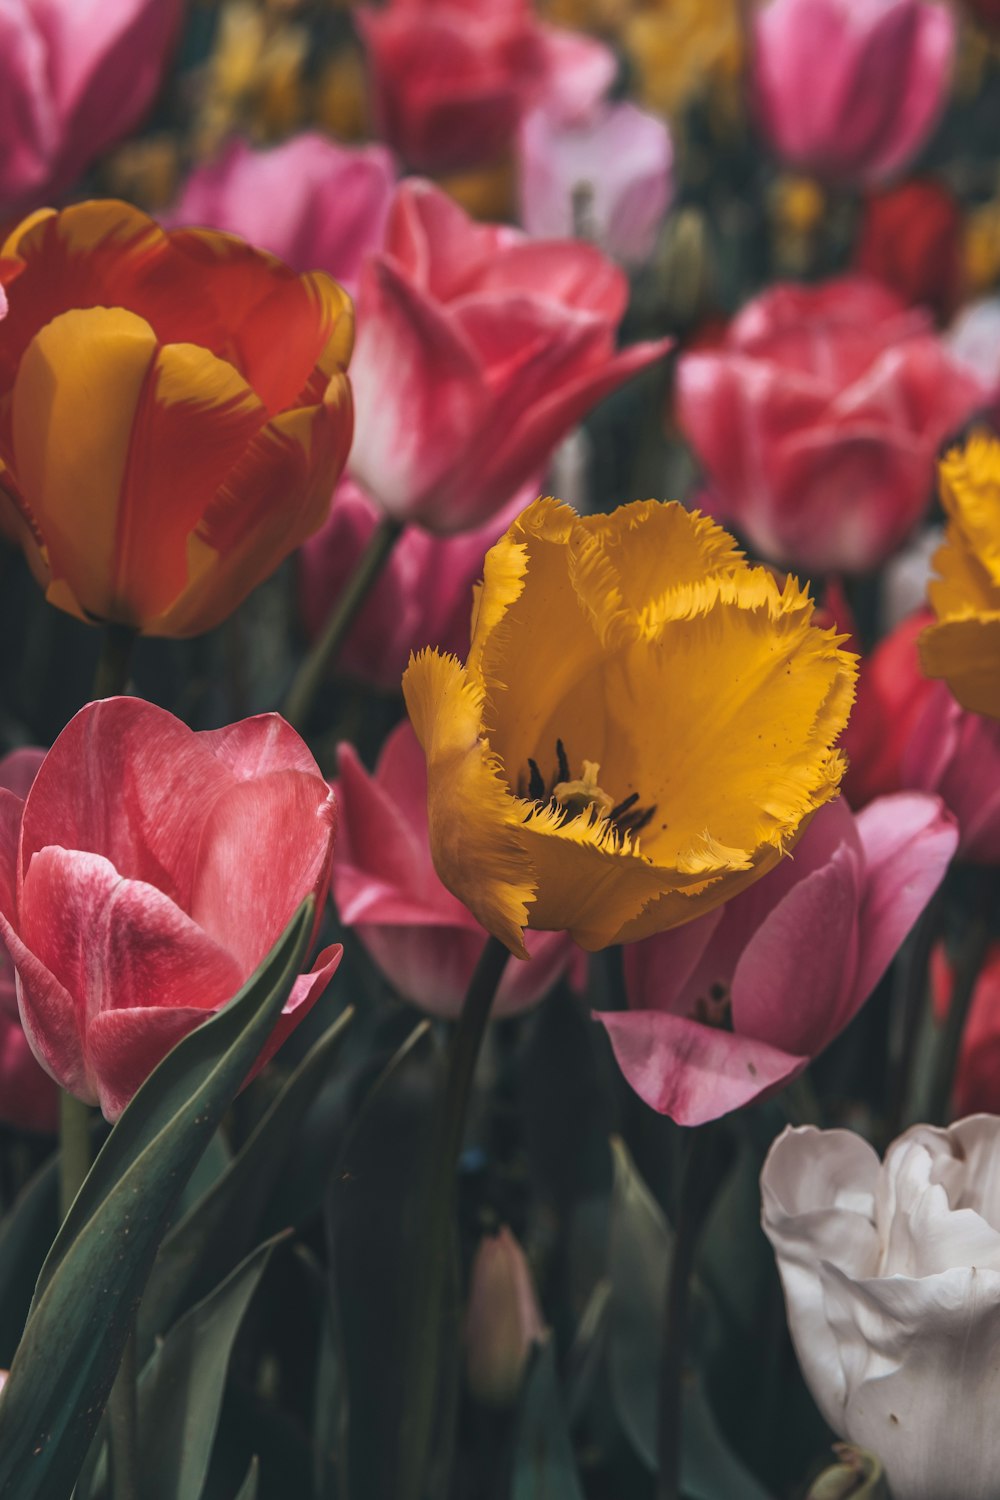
(658, 969)
(50, 1017)
(258, 745)
(965, 652)
(124, 1046)
(908, 841)
(381, 841)
(479, 851)
(264, 846)
(117, 944)
(11, 808)
(691, 1072)
(305, 992)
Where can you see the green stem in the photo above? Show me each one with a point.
(123, 1423)
(970, 962)
(422, 1336)
(74, 1149)
(908, 1003)
(706, 1159)
(309, 678)
(115, 661)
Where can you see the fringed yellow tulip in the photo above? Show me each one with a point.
(964, 645)
(644, 725)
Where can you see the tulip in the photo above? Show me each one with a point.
(502, 1321)
(28, 1097)
(559, 796)
(422, 597)
(911, 239)
(421, 937)
(891, 1273)
(736, 1004)
(819, 419)
(174, 411)
(452, 78)
(478, 351)
(315, 204)
(973, 340)
(684, 50)
(612, 172)
(892, 693)
(145, 876)
(851, 89)
(74, 79)
(963, 646)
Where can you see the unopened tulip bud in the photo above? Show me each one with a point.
(502, 1320)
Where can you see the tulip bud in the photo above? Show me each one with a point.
(502, 1320)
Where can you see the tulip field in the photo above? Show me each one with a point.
(499, 750)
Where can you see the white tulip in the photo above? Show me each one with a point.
(891, 1273)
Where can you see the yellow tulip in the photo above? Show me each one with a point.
(644, 725)
(964, 645)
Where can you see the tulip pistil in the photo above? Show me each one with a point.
(574, 796)
(716, 1008)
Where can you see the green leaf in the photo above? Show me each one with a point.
(204, 1246)
(248, 1489)
(639, 1254)
(25, 1235)
(181, 1386)
(98, 1265)
(544, 1467)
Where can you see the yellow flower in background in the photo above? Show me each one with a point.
(964, 646)
(684, 48)
(644, 725)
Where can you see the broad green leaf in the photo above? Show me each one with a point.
(181, 1386)
(544, 1467)
(220, 1229)
(639, 1254)
(25, 1236)
(95, 1272)
(248, 1489)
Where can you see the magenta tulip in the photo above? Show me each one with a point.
(735, 1004)
(74, 79)
(819, 419)
(422, 597)
(144, 877)
(956, 754)
(425, 941)
(317, 205)
(851, 89)
(609, 176)
(477, 351)
(29, 1099)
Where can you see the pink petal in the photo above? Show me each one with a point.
(658, 968)
(578, 70)
(124, 1046)
(29, 1099)
(19, 768)
(691, 1072)
(50, 1017)
(381, 837)
(11, 808)
(908, 841)
(306, 990)
(265, 845)
(254, 747)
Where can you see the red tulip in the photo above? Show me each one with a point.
(145, 876)
(892, 692)
(423, 938)
(29, 1099)
(819, 420)
(911, 239)
(477, 351)
(735, 1004)
(452, 78)
(422, 597)
(851, 89)
(977, 1072)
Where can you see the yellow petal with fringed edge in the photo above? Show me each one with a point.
(963, 646)
(644, 725)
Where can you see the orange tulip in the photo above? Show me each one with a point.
(174, 411)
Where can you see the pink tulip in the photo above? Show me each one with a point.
(74, 78)
(422, 597)
(28, 1097)
(424, 940)
(477, 351)
(612, 171)
(317, 205)
(502, 1321)
(819, 419)
(851, 89)
(735, 1004)
(452, 78)
(956, 754)
(144, 877)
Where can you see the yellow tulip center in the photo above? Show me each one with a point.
(584, 794)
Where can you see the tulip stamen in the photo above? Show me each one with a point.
(575, 796)
(716, 1008)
